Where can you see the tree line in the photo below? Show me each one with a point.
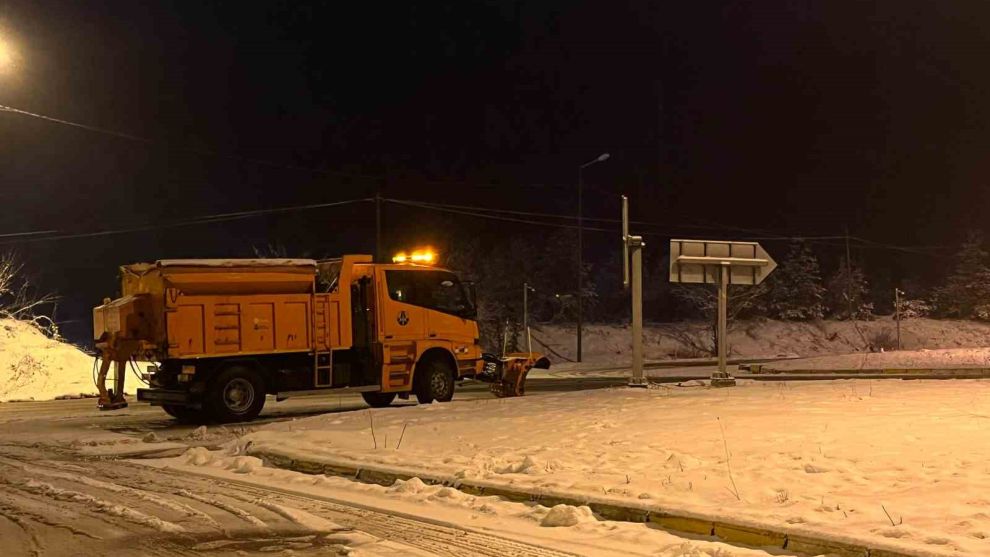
(799, 290)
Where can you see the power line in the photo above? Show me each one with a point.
(485, 212)
(260, 162)
(488, 215)
(203, 152)
(21, 234)
(203, 219)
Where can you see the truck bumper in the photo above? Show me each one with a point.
(158, 397)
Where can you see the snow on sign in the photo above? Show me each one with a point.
(699, 261)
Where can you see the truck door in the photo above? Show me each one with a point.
(401, 322)
(450, 316)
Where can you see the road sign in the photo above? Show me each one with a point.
(722, 263)
(700, 261)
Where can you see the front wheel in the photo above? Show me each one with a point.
(435, 381)
(236, 395)
(378, 400)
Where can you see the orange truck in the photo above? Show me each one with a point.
(223, 334)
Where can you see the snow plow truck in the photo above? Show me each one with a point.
(221, 335)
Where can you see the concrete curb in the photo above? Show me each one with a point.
(936, 372)
(742, 531)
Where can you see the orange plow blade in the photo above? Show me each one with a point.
(507, 374)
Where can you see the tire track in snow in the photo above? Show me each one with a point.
(238, 512)
(435, 538)
(99, 505)
(141, 494)
(11, 511)
(14, 518)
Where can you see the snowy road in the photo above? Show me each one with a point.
(68, 488)
(52, 506)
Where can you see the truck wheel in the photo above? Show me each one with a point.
(434, 381)
(236, 395)
(378, 400)
(184, 414)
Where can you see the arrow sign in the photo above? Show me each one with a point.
(699, 261)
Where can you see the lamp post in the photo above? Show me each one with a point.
(526, 290)
(580, 249)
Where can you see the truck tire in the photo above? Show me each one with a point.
(378, 400)
(237, 394)
(434, 381)
(184, 414)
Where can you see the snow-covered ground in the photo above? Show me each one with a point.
(562, 527)
(892, 462)
(35, 367)
(610, 344)
(946, 358)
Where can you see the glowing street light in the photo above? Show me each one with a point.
(580, 247)
(8, 57)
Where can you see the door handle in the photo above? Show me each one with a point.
(388, 336)
(432, 335)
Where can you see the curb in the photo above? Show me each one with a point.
(731, 531)
(939, 372)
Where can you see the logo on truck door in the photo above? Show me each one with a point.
(403, 318)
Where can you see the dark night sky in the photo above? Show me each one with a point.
(797, 118)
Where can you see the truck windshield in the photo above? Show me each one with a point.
(436, 290)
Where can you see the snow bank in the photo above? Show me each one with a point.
(572, 529)
(757, 338)
(35, 367)
(834, 458)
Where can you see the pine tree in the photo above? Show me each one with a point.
(847, 294)
(966, 292)
(795, 289)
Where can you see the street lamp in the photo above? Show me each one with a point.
(7, 57)
(529, 339)
(580, 249)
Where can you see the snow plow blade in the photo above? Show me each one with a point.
(507, 374)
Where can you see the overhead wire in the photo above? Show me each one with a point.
(483, 212)
(203, 219)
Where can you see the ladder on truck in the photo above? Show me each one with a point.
(322, 355)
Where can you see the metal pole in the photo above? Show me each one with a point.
(529, 341)
(636, 246)
(580, 258)
(723, 302)
(721, 378)
(897, 314)
(505, 338)
(378, 227)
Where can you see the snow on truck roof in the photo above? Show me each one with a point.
(236, 263)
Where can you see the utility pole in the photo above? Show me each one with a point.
(580, 265)
(378, 226)
(580, 246)
(897, 313)
(849, 300)
(634, 244)
(529, 339)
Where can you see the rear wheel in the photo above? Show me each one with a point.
(378, 400)
(184, 414)
(236, 395)
(434, 381)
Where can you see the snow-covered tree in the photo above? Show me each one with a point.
(795, 288)
(966, 292)
(19, 299)
(847, 294)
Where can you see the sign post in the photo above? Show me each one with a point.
(722, 263)
(633, 246)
